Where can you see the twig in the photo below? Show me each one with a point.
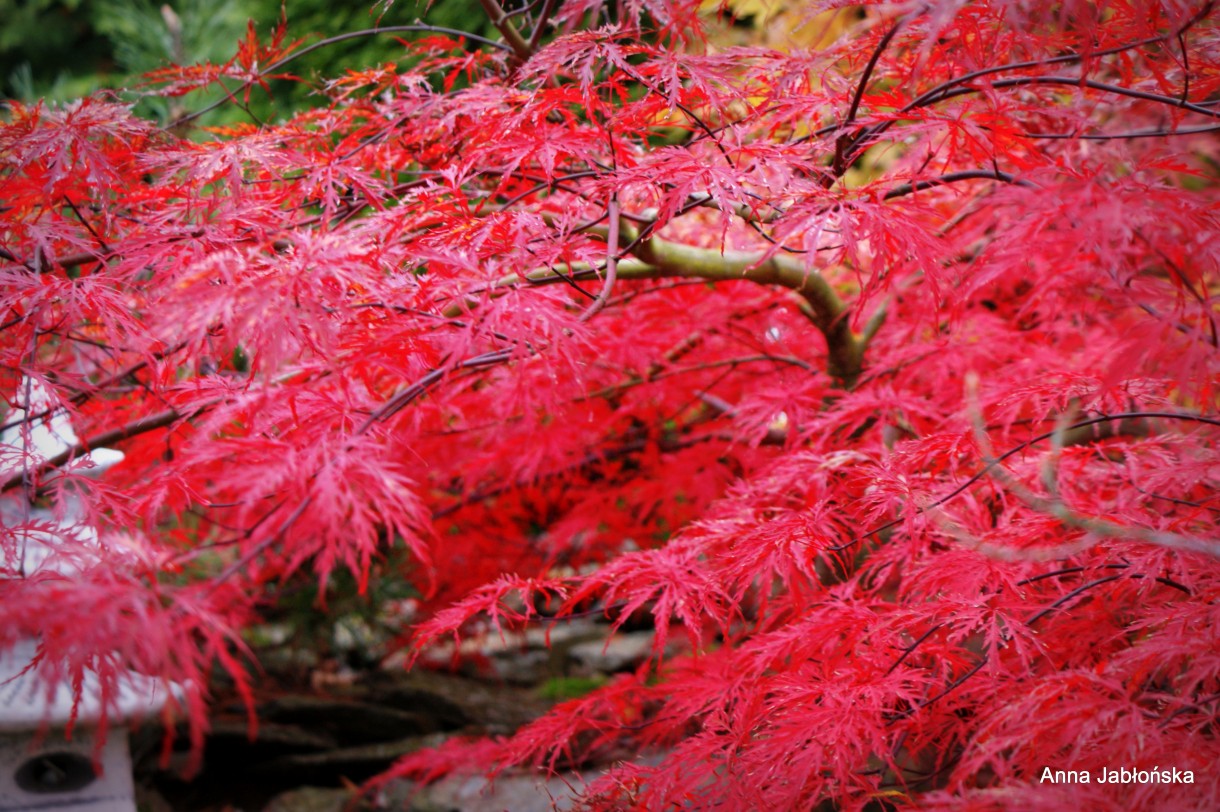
(603, 295)
(843, 144)
(367, 32)
(953, 177)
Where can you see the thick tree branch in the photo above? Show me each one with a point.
(504, 24)
(660, 259)
(820, 304)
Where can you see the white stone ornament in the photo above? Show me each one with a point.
(28, 445)
(62, 776)
(40, 767)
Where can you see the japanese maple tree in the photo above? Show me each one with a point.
(869, 356)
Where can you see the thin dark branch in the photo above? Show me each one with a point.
(100, 386)
(868, 72)
(544, 16)
(100, 241)
(869, 133)
(1185, 66)
(5, 254)
(845, 143)
(934, 94)
(367, 32)
(1075, 593)
(906, 652)
(1196, 706)
(1076, 570)
(263, 545)
(953, 177)
(918, 706)
(525, 9)
(1074, 81)
(1182, 502)
(1070, 596)
(941, 91)
(135, 428)
(596, 457)
(1168, 133)
(421, 387)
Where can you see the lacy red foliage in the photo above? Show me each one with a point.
(880, 371)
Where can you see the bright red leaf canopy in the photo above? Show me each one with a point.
(878, 367)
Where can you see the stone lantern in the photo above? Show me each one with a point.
(40, 767)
